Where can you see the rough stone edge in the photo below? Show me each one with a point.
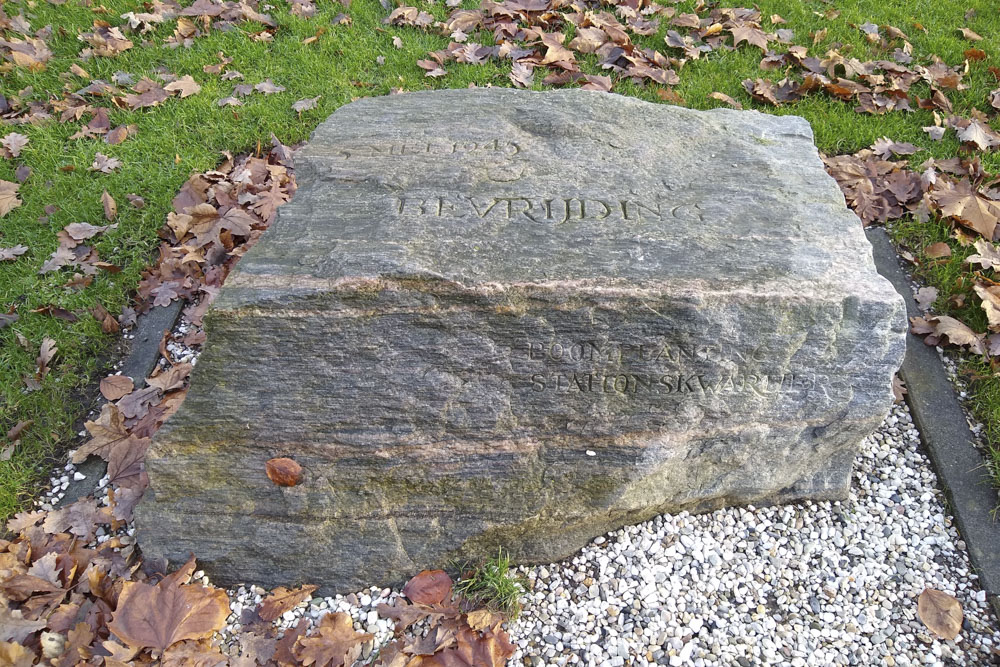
(945, 432)
(144, 350)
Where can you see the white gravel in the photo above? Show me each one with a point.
(809, 584)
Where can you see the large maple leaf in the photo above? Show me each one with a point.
(159, 616)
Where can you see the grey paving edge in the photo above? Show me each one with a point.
(945, 432)
(143, 354)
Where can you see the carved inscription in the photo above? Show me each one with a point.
(658, 369)
(547, 210)
(438, 147)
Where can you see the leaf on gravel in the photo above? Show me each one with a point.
(10, 254)
(185, 86)
(283, 471)
(114, 387)
(926, 296)
(284, 649)
(281, 600)
(159, 616)
(940, 612)
(335, 643)
(428, 587)
(13, 144)
(8, 197)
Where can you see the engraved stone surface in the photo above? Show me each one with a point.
(507, 318)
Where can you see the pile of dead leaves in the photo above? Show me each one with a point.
(879, 86)
(529, 34)
(958, 190)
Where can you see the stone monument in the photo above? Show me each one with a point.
(502, 318)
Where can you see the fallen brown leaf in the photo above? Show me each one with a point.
(940, 612)
(429, 587)
(159, 616)
(114, 387)
(282, 599)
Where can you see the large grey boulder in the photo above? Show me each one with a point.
(499, 318)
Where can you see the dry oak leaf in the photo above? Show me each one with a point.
(522, 75)
(8, 197)
(172, 378)
(14, 627)
(159, 616)
(281, 600)
(102, 163)
(940, 612)
(15, 655)
(429, 587)
(283, 471)
(10, 254)
(268, 87)
(988, 255)
(13, 143)
(334, 645)
(114, 387)
(925, 297)
(80, 519)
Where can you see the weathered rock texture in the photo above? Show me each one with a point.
(506, 318)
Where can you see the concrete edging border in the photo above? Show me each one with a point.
(144, 351)
(945, 433)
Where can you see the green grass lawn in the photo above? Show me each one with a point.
(183, 136)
